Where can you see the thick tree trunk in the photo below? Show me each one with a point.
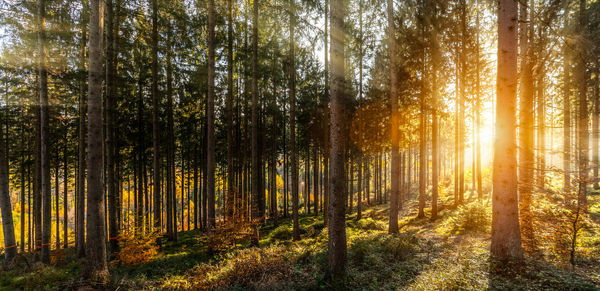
(506, 236)
(96, 268)
(338, 137)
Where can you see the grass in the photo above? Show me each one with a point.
(451, 253)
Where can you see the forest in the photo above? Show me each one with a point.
(300, 145)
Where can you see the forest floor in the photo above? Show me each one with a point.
(451, 253)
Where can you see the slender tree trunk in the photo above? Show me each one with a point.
(44, 135)
(596, 128)
(583, 116)
(506, 236)
(8, 228)
(526, 111)
(338, 136)
(81, 154)
(229, 101)
(294, 160)
(96, 268)
(567, 115)
(210, 144)
(477, 113)
(155, 119)
(395, 134)
(327, 117)
(113, 225)
(170, 179)
(435, 127)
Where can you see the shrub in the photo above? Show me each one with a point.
(137, 249)
(471, 217)
(282, 232)
(370, 224)
(252, 268)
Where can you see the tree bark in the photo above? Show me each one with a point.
(395, 135)
(506, 236)
(44, 135)
(155, 119)
(96, 268)
(338, 137)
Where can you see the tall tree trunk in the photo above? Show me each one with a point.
(327, 117)
(394, 131)
(583, 116)
(293, 157)
(338, 136)
(44, 135)
(596, 127)
(477, 112)
(210, 111)
(65, 200)
(8, 228)
(506, 236)
(113, 225)
(155, 118)
(229, 101)
(81, 154)
(170, 179)
(435, 127)
(567, 113)
(526, 111)
(96, 268)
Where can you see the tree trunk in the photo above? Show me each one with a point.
(338, 137)
(155, 119)
(567, 114)
(583, 116)
(44, 136)
(435, 127)
(293, 158)
(8, 228)
(210, 144)
(506, 236)
(81, 155)
(96, 268)
(229, 101)
(113, 225)
(394, 132)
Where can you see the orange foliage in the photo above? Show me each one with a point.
(138, 249)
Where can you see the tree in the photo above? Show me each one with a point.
(96, 268)
(210, 113)
(8, 228)
(230, 170)
(155, 122)
(395, 138)
(526, 111)
(81, 154)
(293, 158)
(44, 136)
(338, 137)
(506, 235)
(113, 223)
